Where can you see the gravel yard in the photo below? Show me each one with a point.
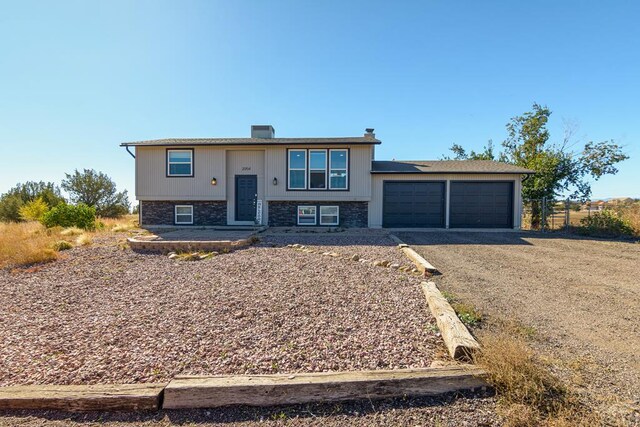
(102, 314)
(445, 411)
(582, 296)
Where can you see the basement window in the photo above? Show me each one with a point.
(329, 215)
(307, 215)
(184, 214)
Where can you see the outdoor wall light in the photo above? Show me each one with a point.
(275, 181)
(214, 181)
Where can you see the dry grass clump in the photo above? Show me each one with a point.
(632, 215)
(71, 231)
(517, 375)
(26, 243)
(84, 239)
(62, 245)
(122, 224)
(528, 393)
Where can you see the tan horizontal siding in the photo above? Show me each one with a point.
(375, 205)
(153, 184)
(359, 175)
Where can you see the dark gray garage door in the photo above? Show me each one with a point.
(413, 204)
(481, 204)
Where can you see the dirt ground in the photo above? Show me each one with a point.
(581, 295)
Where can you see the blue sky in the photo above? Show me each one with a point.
(78, 78)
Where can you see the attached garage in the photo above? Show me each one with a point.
(456, 194)
(413, 204)
(481, 204)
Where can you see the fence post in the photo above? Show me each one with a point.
(567, 214)
(544, 214)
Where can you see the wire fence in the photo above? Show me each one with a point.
(553, 214)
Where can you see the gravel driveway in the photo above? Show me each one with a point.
(101, 314)
(582, 296)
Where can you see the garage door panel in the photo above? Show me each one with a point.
(413, 204)
(481, 204)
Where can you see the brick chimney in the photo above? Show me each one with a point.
(262, 131)
(368, 133)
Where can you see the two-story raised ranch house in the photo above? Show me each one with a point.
(316, 182)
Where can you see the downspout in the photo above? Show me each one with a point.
(129, 151)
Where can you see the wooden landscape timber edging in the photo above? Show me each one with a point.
(456, 336)
(421, 264)
(78, 398)
(284, 389)
(186, 392)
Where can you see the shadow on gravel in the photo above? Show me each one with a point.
(314, 413)
(426, 238)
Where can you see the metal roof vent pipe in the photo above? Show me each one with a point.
(368, 133)
(263, 131)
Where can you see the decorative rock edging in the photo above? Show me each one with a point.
(256, 390)
(356, 258)
(188, 246)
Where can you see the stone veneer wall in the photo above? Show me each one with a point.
(204, 212)
(351, 214)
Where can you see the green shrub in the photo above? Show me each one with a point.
(81, 216)
(34, 210)
(62, 245)
(605, 223)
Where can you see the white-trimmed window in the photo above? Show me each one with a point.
(307, 215)
(329, 215)
(297, 170)
(317, 169)
(184, 214)
(179, 162)
(338, 169)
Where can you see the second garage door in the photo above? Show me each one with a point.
(485, 204)
(413, 204)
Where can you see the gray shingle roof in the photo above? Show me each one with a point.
(445, 166)
(253, 141)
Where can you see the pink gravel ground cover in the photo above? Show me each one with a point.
(101, 314)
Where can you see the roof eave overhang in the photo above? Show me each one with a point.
(453, 171)
(245, 144)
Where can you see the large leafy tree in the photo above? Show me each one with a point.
(21, 194)
(98, 190)
(560, 170)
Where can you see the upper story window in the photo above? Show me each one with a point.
(338, 169)
(297, 169)
(318, 169)
(180, 162)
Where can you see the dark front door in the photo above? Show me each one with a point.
(413, 204)
(481, 204)
(246, 197)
